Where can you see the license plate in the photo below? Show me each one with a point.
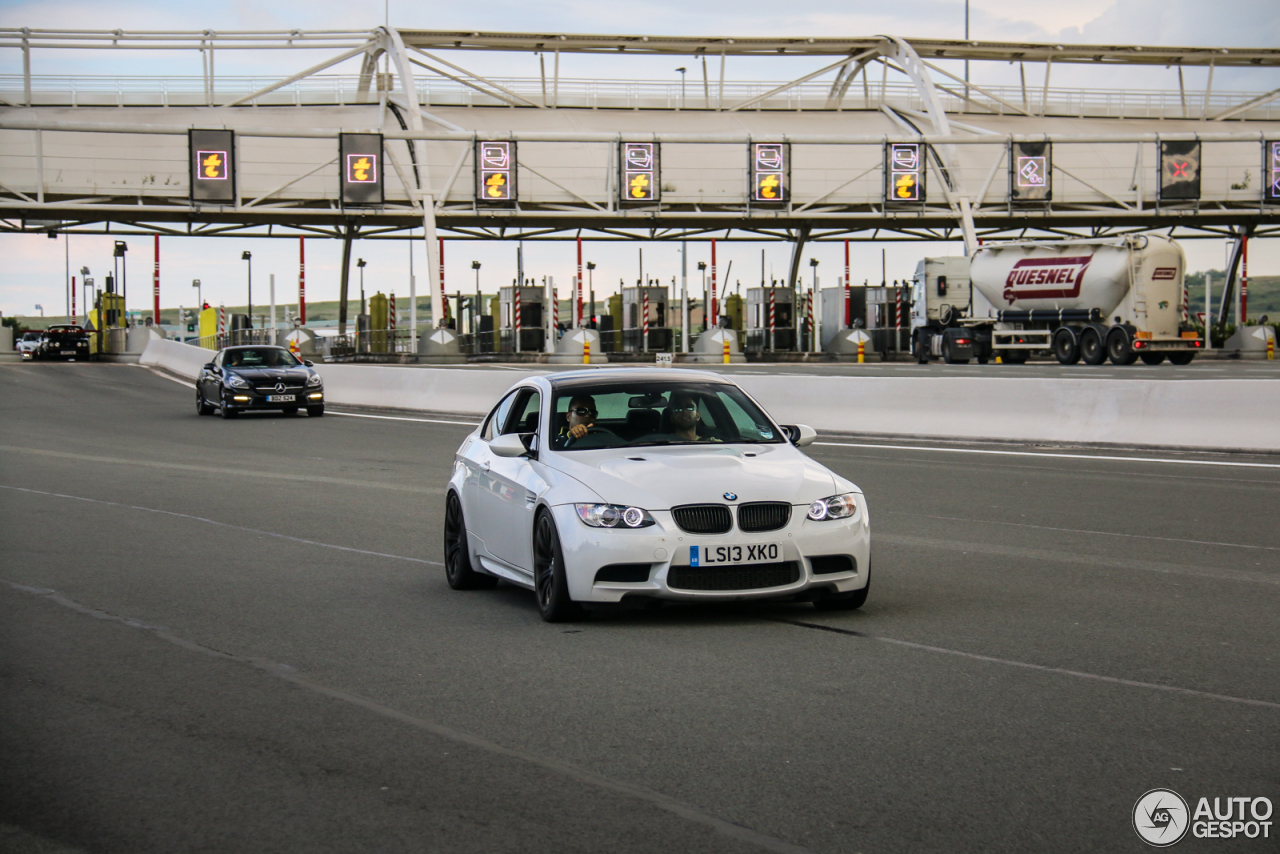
(280, 398)
(734, 554)
(68, 352)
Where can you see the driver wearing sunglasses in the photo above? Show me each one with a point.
(582, 414)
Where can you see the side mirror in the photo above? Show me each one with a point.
(211, 368)
(308, 363)
(508, 445)
(800, 434)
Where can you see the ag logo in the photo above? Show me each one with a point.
(1160, 818)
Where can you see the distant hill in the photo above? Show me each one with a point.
(1264, 293)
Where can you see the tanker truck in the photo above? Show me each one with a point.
(1080, 300)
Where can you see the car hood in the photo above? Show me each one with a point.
(295, 376)
(658, 478)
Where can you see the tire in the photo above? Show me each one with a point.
(202, 406)
(229, 411)
(1091, 349)
(551, 587)
(315, 411)
(457, 555)
(290, 410)
(851, 601)
(1014, 357)
(1119, 348)
(947, 357)
(922, 356)
(1151, 358)
(1182, 358)
(1066, 346)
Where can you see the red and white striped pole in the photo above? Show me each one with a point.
(897, 321)
(848, 296)
(809, 316)
(1186, 303)
(714, 307)
(773, 314)
(646, 320)
(555, 306)
(577, 322)
(222, 320)
(1244, 279)
(517, 318)
(391, 317)
(73, 298)
(302, 281)
(155, 284)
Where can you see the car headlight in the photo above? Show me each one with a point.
(835, 507)
(613, 516)
(236, 381)
(314, 380)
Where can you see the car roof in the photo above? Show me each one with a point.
(255, 347)
(598, 376)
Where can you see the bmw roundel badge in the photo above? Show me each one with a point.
(730, 496)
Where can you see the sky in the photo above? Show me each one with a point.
(35, 268)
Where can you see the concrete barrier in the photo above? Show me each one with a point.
(1220, 413)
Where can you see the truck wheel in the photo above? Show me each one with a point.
(1066, 346)
(947, 358)
(1091, 349)
(1151, 358)
(1014, 357)
(922, 355)
(1119, 348)
(1183, 358)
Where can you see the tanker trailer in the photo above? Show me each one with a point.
(1092, 299)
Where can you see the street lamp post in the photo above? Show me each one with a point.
(195, 283)
(248, 256)
(475, 309)
(702, 268)
(360, 263)
(120, 249)
(84, 282)
(682, 71)
(815, 311)
(591, 287)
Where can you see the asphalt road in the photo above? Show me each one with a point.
(236, 636)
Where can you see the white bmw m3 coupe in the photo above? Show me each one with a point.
(597, 486)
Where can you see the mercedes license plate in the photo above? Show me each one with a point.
(68, 352)
(280, 398)
(734, 554)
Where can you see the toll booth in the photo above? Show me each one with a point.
(763, 337)
(378, 336)
(835, 315)
(533, 333)
(732, 313)
(107, 318)
(888, 313)
(633, 319)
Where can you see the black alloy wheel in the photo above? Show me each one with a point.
(1091, 349)
(1120, 348)
(1151, 358)
(316, 411)
(550, 583)
(1066, 347)
(202, 406)
(850, 601)
(457, 556)
(1183, 357)
(228, 411)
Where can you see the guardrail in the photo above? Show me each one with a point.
(595, 94)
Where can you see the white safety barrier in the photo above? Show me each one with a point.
(1217, 413)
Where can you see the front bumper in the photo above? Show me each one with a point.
(587, 550)
(252, 399)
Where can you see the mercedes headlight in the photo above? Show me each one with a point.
(314, 380)
(613, 516)
(835, 507)
(236, 381)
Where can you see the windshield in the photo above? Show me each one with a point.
(261, 357)
(31, 336)
(632, 414)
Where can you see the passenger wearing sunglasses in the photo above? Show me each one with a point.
(683, 412)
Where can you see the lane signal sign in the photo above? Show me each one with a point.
(904, 172)
(211, 159)
(639, 182)
(213, 165)
(1031, 172)
(1179, 170)
(361, 170)
(1271, 171)
(495, 173)
(771, 172)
